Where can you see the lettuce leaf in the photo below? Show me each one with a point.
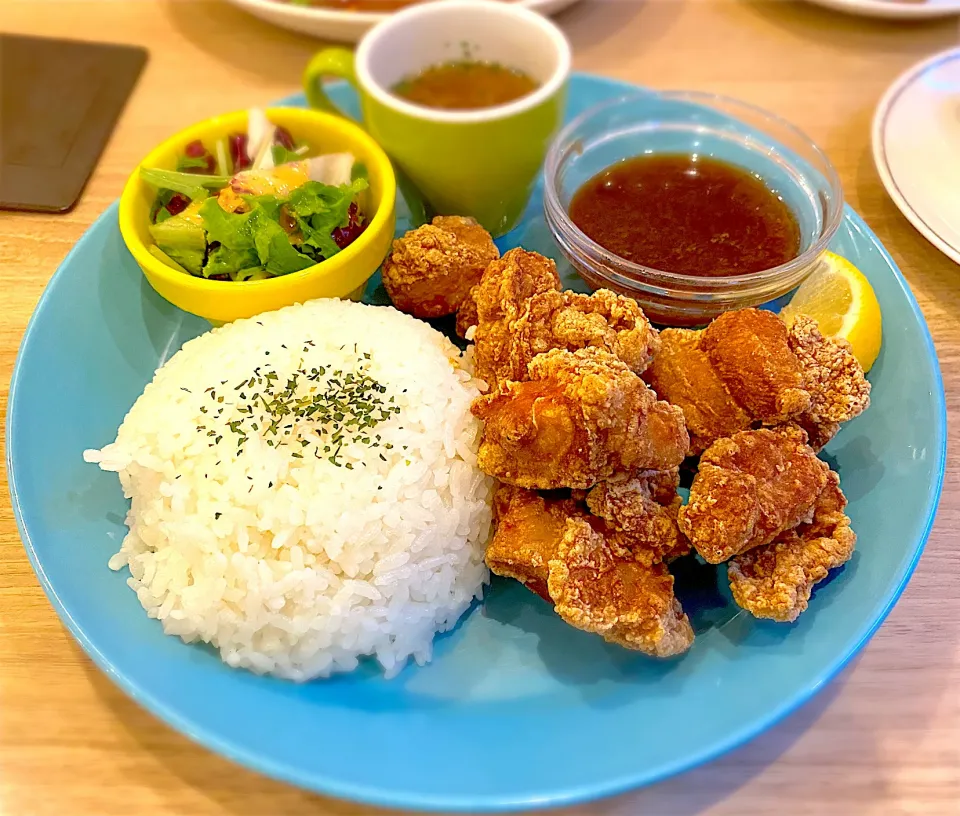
(226, 261)
(162, 256)
(192, 185)
(253, 273)
(319, 209)
(276, 252)
(185, 163)
(160, 211)
(282, 155)
(182, 240)
(230, 230)
(253, 238)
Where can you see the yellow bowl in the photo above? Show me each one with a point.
(344, 275)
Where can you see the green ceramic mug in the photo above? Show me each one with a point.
(465, 162)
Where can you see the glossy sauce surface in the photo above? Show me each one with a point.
(465, 85)
(689, 215)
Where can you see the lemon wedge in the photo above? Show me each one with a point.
(839, 297)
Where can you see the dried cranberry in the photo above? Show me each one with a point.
(282, 136)
(238, 151)
(221, 277)
(196, 150)
(344, 236)
(177, 204)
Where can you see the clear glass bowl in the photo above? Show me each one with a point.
(687, 122)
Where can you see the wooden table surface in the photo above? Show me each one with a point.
(884, 738)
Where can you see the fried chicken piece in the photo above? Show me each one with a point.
(818, 433)
(750, 488)
(749, 351)
(775, 581)
(581, 417)
(432, 269)
(557, 550)
(664, 442)
(520, 312)
(747, 369)
(499, 299)
(683, 375)
(617, 495)
(527, 535)
(643, 513)
(832, 375)
(571, 321)
(619, 599)
(636, 516)
(467, 317)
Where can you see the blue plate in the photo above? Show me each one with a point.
(488, 724)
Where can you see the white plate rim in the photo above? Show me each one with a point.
(308, 14)
(878, 140)
(891, 9)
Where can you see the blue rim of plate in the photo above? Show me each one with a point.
(559, 796)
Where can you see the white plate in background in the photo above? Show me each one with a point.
(346, 26)
(916, 147)
(894, 9)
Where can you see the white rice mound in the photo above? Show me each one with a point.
(296, 566)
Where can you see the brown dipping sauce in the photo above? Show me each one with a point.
(700, 218)
(465, 85)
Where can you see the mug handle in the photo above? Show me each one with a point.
(337, 62)
(340, 63)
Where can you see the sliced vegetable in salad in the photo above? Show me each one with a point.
(254, 206)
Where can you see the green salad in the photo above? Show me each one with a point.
(254, 206)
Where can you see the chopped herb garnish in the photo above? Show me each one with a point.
(339, 410)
